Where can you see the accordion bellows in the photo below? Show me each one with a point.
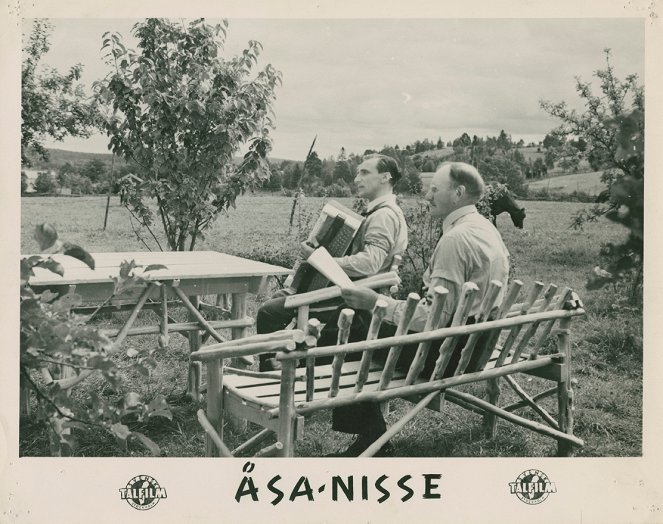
(334, 230)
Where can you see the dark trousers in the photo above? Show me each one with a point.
(273, 316)
(365, 418)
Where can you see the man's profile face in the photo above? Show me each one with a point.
(442, 195)
(368, 181)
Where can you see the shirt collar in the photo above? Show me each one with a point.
(388, 198)
(453, 217)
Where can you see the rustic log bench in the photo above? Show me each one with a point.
(513, 335)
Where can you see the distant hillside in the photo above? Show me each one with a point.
(59, 157)
(588, 182)
(437, 154)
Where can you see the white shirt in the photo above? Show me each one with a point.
(470, 250)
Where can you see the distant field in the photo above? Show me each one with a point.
(607, 344)
(587, 182)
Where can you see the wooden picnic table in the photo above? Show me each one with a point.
(188, 276)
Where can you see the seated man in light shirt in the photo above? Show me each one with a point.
(470, 250)
(382, 235)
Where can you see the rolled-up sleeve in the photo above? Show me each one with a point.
(379, 240)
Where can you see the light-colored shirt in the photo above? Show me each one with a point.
(470, 250)
(382, 235)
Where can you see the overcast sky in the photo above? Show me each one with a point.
(361, 84)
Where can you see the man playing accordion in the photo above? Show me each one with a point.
(381, 236)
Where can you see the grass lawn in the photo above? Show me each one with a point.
(606, 344)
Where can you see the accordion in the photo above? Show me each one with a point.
(334, 230)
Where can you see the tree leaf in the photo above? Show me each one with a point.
(120, 431)
(159, 408)
(132, 400)
(51, 265)
(151, 446)
(155, 267)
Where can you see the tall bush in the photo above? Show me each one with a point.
(181, 112)
(54, 337)
(612, 127)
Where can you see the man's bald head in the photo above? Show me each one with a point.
(466, 175)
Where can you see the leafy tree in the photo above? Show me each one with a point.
(94, 170)
(342, 172)
(45, 183)
(463, 140)
(505, 171)
(553, 140)
(52, 104)
(504, 141)
(616, 99)
(612, 125)
(24, 182)
(181, 112)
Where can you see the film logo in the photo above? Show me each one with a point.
(143, 492)
(532, 486)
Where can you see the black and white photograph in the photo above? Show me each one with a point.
(323, 264)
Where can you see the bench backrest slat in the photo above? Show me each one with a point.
(487, 307)
(433, 322)
(468, 292)
(395, 351)
(344, 324)
(379, 312)
(566, 295)
(487, 350)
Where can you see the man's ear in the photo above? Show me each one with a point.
(460, 191)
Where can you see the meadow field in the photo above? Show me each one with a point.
(606, 344)
(589, 183)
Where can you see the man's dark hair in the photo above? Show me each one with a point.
(387, 164)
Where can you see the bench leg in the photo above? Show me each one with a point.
(565, 403)
(237, 311)
(214, 404)
(489, 419)
(564, 389)
(287, 414)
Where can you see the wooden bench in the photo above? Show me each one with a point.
(514, 334)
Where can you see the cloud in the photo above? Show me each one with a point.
(363, 83)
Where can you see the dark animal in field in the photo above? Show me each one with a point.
(496, 200)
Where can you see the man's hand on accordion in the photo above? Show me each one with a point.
(305, 249)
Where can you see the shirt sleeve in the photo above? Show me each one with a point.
(379, 241)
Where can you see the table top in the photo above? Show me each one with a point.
(180, 265)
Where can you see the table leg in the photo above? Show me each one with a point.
(194, 378)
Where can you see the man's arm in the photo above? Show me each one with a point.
(379, 240)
